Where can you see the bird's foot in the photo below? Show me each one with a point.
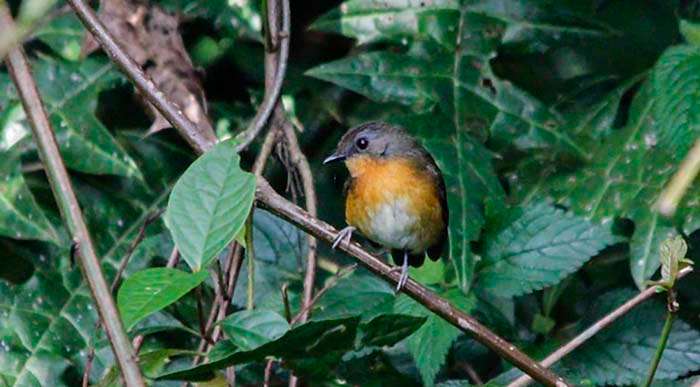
(403, 278)
(343, 235)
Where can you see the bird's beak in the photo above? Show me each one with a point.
(334, 157)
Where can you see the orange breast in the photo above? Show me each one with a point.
(394, 202)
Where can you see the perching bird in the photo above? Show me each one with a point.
(395, 196)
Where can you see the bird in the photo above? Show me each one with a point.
(395, 195)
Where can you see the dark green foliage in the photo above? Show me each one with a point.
(556, 124)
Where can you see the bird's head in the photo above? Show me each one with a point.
(373, 140)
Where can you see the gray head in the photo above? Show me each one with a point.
(377, 139)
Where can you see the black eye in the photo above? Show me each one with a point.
(362, 143)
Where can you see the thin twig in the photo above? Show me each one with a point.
(285, 301)
(70, 209)
(115, 282)
(132, 247)
(671, 311)
(250, 256)
(677, 187)
(301, 164)
(200, 313)
(271, 93)
(660, 347)
(343, 272)
(473, 375)
(598, 326)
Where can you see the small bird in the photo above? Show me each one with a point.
(395, 195)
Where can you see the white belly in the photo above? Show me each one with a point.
(393, 226)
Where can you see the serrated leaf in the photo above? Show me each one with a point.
(676, 88)
(372, 20)
(620, 354)
(20, 215)
(526, 25)
(624, 180)
(151, 290)
(458, 85)
(250, 329)
(527, 249)
(672, 259)
(311, 339)
(209, 205)
(430, 344)
(469, 179)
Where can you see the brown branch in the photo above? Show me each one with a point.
(273, 90)
(115, 282)
(268, 198)
(300, 162)
(70, 210)
(201, 141)
(271, 200)
(598, 326)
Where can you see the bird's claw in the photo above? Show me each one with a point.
(403, 278)
(343, 235)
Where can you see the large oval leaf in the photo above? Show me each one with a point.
(151, 290)
(209, 205)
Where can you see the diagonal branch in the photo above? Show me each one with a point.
(70, 210)
(271, 200)
(593, 330)
(268, 198)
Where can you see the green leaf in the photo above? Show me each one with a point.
(240, 19)
(469, 179)
(311, 339)
(70, 92)
(64, 34)
(676, 89)
(430, 344)
(672, 259)
(20, 215)
(620, 354)
(387, 330)
(358, 293)
(47, 322)
(462, 87)
(372, 20)
(209, 205)
(527, 249)
(250, 329)
(528, 25)
(279, 246)
(690, 31)
(624, 180)
(151, 290)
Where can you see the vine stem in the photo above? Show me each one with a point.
(62, 188)
(660, 347)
